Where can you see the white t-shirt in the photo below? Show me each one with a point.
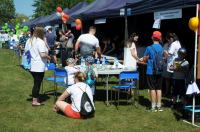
(76, 94)
(37, 46)
(129, 61)
(173, 51)
(6, 37)
(88, 44)
(70, 73)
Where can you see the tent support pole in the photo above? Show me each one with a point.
(195, 71)
(126, 27)
(195, 64)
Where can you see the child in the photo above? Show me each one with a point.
(71, 70)
(91, 73)
(180, 67)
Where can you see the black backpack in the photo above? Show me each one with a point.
(158, 62)
(86, 107)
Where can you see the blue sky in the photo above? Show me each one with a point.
(24, 7)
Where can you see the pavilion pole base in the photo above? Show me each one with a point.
(191, 123)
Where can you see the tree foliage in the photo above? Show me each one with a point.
(7, 11)
(46, 7)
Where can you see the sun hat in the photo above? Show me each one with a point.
(157, 35)
(70, 60)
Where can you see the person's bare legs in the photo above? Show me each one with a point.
(153, 98)
(61, 105)
(35, 102)
(159, 97)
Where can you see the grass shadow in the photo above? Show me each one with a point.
(144, 101)
(42, 98)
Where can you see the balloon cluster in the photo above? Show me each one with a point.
(193, 23)
(6, 28)
(78, 24)
(61, 14)
(19, 30)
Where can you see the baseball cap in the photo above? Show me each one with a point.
(157, 35)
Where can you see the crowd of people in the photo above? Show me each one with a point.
(46, 46)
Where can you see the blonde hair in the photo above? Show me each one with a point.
(39, 32)
(80, 76)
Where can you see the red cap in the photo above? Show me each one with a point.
(157, 35)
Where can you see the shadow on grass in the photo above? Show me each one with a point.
(100, 95)
(144, 101)
(42, 97)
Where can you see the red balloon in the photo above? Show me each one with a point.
(59, 9)
(78, 27)
(66, 16)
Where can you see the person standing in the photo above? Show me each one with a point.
(170, 54)
(39, 55)
(181, 69)
(154, 81)
(69, 45)
(109, 47)
(50, 39)
(88, 44)
(130, 52)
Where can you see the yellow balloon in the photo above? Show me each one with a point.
(193, 23)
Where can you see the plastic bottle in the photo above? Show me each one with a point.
(116, 63)
(82, 62)
(98, 63)
(104, 61)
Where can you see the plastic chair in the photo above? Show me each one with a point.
(59, 80)
(50, 66)
(127, 82)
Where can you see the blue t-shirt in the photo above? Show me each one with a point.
(149, 52)
(51, 38)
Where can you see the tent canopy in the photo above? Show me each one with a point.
(148, 6)
(111, 8)
(55, 19)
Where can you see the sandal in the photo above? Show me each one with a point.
(37, 104)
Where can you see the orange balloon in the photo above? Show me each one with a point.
(78, 21)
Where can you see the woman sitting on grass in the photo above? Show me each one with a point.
(75, 92)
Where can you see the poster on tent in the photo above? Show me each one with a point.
(163, 15)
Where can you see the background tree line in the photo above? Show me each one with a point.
(42, 8)
(47, 7)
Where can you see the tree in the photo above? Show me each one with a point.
(20, 18)
(47, 7)
(7, 11)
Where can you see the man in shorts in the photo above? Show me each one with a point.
(154, 81)
(88, 44)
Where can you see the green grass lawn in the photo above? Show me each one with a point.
(17, 114)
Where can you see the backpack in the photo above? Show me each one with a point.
(158, 62)
(86, 107)
(26, 60)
